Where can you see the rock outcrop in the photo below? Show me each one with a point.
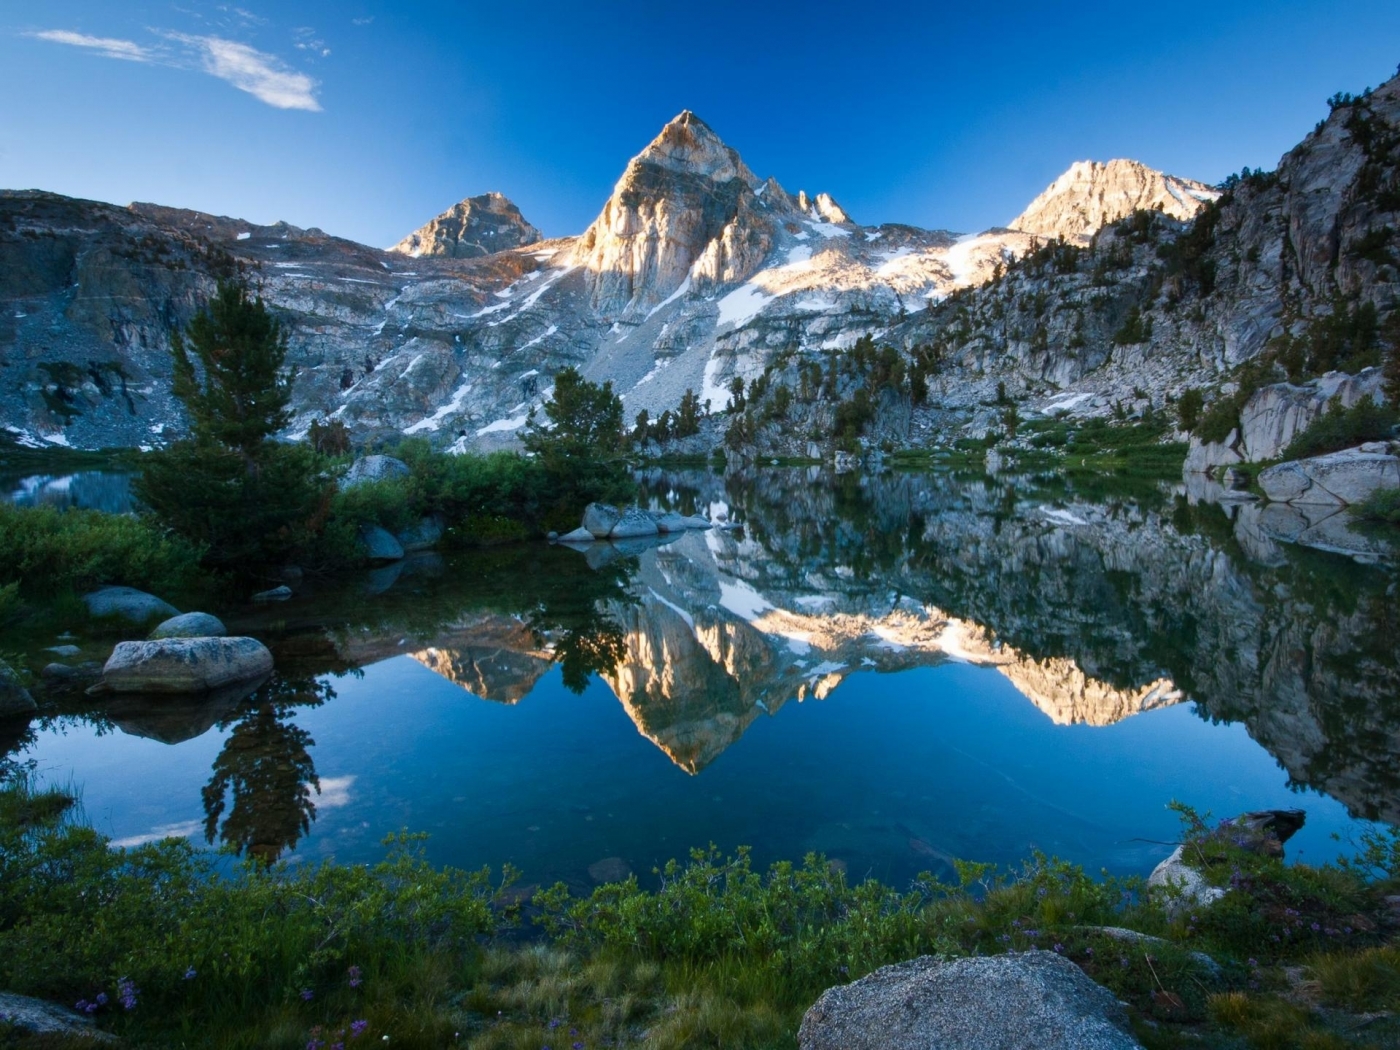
(1092, 195)
(472, 228)
(1335, 480)
(128, 604)
(190, 625)
(1000, 1002)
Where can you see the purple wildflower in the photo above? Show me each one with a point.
(357, 1028)
(578, 1046)
(355, 979)
(101, 999)
(306, 995)
(337, 1046)
(1253, 962)
(189, 974)
(314, 1044)
(127, 993)
(1059, 947)
(554, 1022)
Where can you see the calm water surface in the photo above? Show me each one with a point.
(891, 670)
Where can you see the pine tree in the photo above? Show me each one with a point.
(688, 415)
(247, 499)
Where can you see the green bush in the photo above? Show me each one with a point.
(1340, 428)
(1188, 409)
(45, 551)
(1382, 505)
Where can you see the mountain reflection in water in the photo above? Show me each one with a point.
(1096, 606)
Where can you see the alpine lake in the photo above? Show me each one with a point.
(892, 669)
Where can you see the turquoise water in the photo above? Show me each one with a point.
(893, 673)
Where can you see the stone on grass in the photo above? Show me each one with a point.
(37, 1017)
(373, 468)
(1002, 1002)
(184, 665)
(599, 519)
(633, 522)
(379, 544)
(129, 604)
(190, 625)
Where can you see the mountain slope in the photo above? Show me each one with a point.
(695, 272)
(1090, 196)
(477, 226)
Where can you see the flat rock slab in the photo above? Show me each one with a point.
(185, 665)
(1002, 1002)
(633, 523)
(190, 625)
(127, 603)
(1336, 479)
(38, 1017)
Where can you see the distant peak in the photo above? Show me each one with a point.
(475, 226)
(1093, 194)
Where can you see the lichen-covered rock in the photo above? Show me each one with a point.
(129, 604)
(184, 665)
(373, 468)
(380, 544)
(634, 522)
(599, 519)
(190, 625)
(1002, 1002)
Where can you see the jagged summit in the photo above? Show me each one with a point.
(687, 144)
(1091, 195)
(477, 226)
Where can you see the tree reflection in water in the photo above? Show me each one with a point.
(264, 777)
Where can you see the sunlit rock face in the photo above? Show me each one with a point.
(477, 226)
(1092, 195)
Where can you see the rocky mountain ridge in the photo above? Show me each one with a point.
(695, 271)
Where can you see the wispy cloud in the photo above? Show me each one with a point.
(103, 45)
(183, 830)
(262, 75)
(362, 21)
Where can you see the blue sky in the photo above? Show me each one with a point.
(368, 117)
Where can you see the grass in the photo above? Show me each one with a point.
(716, 955)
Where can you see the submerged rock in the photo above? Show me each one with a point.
(276, 594)
(579, 535)
(127, 603)
(1003, 1002)
(190, 625)
(184, 665)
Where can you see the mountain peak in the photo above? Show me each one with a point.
(687, 144)
(476, 226)
(1092, 194)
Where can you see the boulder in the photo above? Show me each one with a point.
(277, 594)
(579, 535)
(1001, 1002)
(190, 625)
(423, 536)
(127, 603)
(184, 665)
(633, 522)
(65, 651)
(1274, 415)
(14, 698)
(1205, 457)
(694, 521)
(671, 522)
(1336, 479)
(379, 544)
(1184, 886)
(373, 468)
(599, 519)
(37, 1017)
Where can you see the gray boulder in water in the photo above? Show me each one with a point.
(127, 603)
(184, 665)
(373, 468)
(579, 535)
(599, 519)
(1001, 1002)
(633, 522)
(14, 698)
(190, 625)
(379, 544)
